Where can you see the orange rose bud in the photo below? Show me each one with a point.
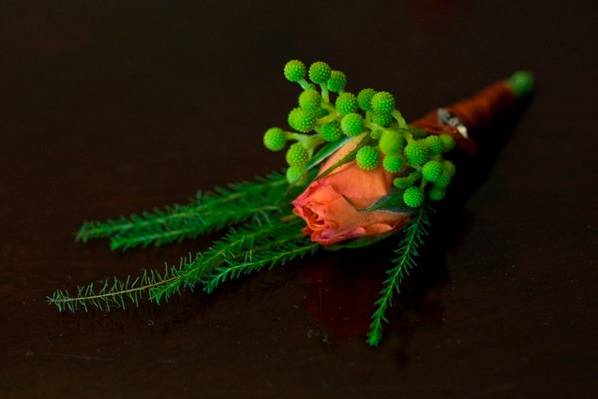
(332, 206)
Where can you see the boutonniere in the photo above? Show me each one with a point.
(357, 173)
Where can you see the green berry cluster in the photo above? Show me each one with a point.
(419, 164)
(413, 157)
(317, 119)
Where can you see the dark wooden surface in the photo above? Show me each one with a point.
(107, 108)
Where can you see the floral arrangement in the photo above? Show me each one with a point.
(357, 173)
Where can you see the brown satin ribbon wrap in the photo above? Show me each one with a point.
(475, 113)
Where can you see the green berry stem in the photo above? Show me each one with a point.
(309, 141)
(400, 119)
(292, 135)
(328, 107)
(413, 176)
(327, 119)
(304, 84)
(325, 93)
(299, 137)
(373, 126)
(312, 143)
(407, 135)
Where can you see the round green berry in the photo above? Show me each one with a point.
(331, 131)
(391, 142)
(448, 143)
(434, 144)
(346, 103)
(392, 163)
(443, 180)
(383, 102)
(297, 155)
(522, 83)
(301, 120)
(449, 168)
(432, 170)
(310, 100)
(416, 153)
(367, 158)
(352, 124)
(294, 173)
(401, 182)
(364, 98)
(384, 120)
(436, 194)
(294, 70)
(336, 82)
(319, 72)
(275, 139)
(413, 197)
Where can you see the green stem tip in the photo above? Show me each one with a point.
(522, 83)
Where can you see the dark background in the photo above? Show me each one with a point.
(111, 107)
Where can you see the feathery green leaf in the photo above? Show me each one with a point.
(406, 254)
(112, 293)
(238, 245)
(211, 211)
(268, 252)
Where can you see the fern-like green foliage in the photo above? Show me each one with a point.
(214, 210)
(236, 245)
(113, 293)
(405, 258)
(286, 248)
(268, 237)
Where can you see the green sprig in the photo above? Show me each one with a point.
(113, 293)
(286, 248)
(406, 254)
(214, 210)
(237, 245)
